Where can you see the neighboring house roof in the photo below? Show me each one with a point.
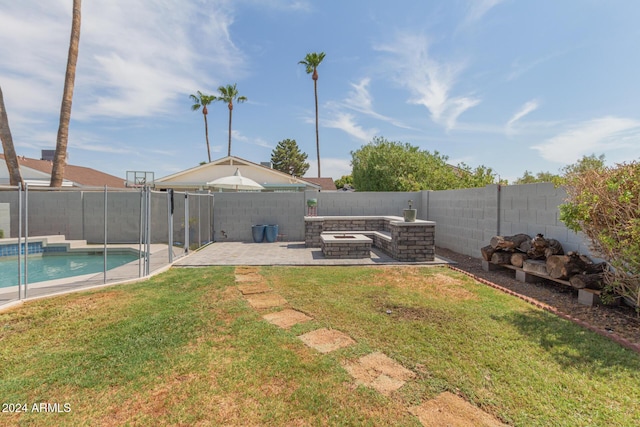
(326, 184)
(38, 172)
(198, 177)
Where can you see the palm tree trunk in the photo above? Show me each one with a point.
(315, 91)
(206, 134)
(10, 158)
(230, 113)
(60, 157)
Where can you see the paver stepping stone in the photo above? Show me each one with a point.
(378, 371)
(286, 318)
(249, 277)
(326, 340)
(447, 409)
(253, 288)
(265, 300)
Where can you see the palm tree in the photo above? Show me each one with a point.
(10, 158)
(203, 100)
(60, 157)
(312, 61)
(228, 94)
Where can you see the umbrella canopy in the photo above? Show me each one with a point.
(235, 182)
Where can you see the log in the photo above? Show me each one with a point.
(525, 246)
(486, 252)
(501, 258)
(564, 266)
(535, 266)
(598, 268)
(508, 243)
(518, 258)
(589, 281)
(542, 248)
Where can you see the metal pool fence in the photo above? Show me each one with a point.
(158, 226)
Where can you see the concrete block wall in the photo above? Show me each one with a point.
(79, 215)
(533, 209)
(345, 203)
(235, 213)
(465, 219)
(5, 219)
(53, 213)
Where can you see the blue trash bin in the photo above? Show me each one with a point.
(271, 233)
(258, 233)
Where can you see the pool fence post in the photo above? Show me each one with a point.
(140, 234)
(199, 222)
(186, 222)
(170, 223)
(19, 241)
(26, 238)
(104, 252)
(148, 246)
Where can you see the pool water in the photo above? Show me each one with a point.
(50, 267)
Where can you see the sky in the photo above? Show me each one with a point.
(512, 85)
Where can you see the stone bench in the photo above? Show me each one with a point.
(404, 241)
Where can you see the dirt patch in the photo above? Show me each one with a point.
(425, 314)
(286, 318)
(447, 409)
(437, 285)
(380, 372)
(266, 300)
(94, 301)
(326, 340)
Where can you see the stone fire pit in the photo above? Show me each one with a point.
(346, 245)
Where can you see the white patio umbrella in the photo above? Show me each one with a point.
(235, 182)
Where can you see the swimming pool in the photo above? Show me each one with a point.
(61, 265)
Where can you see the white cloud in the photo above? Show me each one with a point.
(359, 99)
(428, 80)
(136, 59)
(526, 108)
(346, 123)
(594, 136)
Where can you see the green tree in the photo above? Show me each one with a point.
(201, 101)
(288, 158)
(591, 162)
(344, 180)
(60, 156)
(311, 61)
(228, 94)
(10, 157)
(602, 203)
(529, 178)
(394, 166)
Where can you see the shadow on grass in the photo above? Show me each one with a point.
(572, 345)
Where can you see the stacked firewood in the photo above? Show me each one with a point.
(545, 257)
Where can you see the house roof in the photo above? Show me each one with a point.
(326, 184)
(79, 176)
(199, 176)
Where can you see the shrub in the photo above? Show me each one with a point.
(1, 233)
(604, 203)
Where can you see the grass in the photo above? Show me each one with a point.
(185, 348)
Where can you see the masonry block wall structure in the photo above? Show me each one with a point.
(80, 215)
(465, 219)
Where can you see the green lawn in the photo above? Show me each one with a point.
(185, 348)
